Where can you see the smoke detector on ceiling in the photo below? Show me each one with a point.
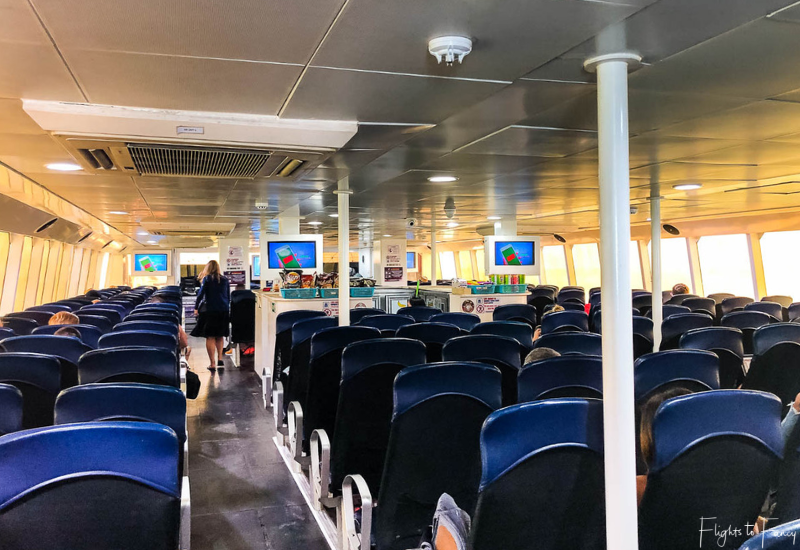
(262, 205)
(450, 48)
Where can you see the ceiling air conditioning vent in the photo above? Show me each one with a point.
(189, 230)
(169, 160)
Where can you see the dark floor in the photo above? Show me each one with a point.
(243, 496)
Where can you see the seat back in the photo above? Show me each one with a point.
(543, 291)
(243, 316)
(157, 326)
(674, 327)
(68, 350)
(283, 336)
(129, 364)
(693, 436)
(777, 371)
(571, 293)
(464, 321)
(565, 376)
(552, 321)
(782, 537)
(38, 378)
(556, 444)
(784, 301)
(103, 323)
(419, 313)
(299, 355)
(20, 325)
(150, 315)
(113, 315)
(90, 335)
(5, 332)
(701, 305)
(364, 409)
(386, 323)
(359, 313)
(325, 374)
(433, 334)
(140, 338)
(678, 299)
(51, 308)
(113, 485)
(670, 310)
(773, 309)
(41, 317)
(747, 322)
(521, 332)
(449, 403)
(767, 336)
(729, 305)
(501, 351)
(695, 370)
(515, 312)
(642, 302)
(540, 303)
(10, 409)
(584, 343)
(720, 296)
(728, 344)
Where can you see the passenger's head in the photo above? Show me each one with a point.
(541, 353)
(68, 331)
(648, 413)
(680, 288)
(555, 309)
(211, 270)
(64, 318)
(157, 300)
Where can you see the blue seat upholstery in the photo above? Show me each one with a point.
(67, 349)
(325, 374)
(695, 370)
(38, 377)
(642, 301)
(163, 316)
(5, 332)
(121, 309)
(359, 313)
(770, 308)
(720, 296)
(769, 335)
(50, 308)
(122, 490)
(10, 409)
(158, 306)
(781, 299)
(570, 294)
(701, 305)
(500, 351)
(521, 332)
(149, 366)
(419, 313)
(386, 323)
(565, 376)
(777, 370)
(433, 334)
(143, 338)
(464, 321)
(364, 411)
(729, 305)
(551, 322)
(585, 343)
(541, 303)
(449, 403)
(547, 291)
(676, 326)
(283, 336)
(557, 444)
(127, 401)
(782, 537)
(157, 326)
(523, 313)
(296, 383)
(41, 317)
(747, 322)
(243, 316)
(103, 323)
(20, 325)
(728, 344)
(90, 335)
(703, 441)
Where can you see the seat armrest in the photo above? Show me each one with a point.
(186, 515)
(352, 539)
(295, 421)
(320, 470)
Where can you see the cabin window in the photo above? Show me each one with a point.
(636, 266)
(5, 244)
(447, 260)
(781, 263)
(480, 263)
(725, 265)
(52, 268)
(43, 270)
(101, 282)
(554, 262)
(75, 274)
(24, 271)
(465, 263)
(65, 268)
(674, 263)
(587, 265)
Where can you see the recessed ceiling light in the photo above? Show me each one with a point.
(687, 186)
(387, 235)
(442, 179)
(152, 242)
(333, 215)
(648, 219)
(314, 223)
(143, 233)
(63, 166)
(493, 218)
(118, 213)
(452, 224)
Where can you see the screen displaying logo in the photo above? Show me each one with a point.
(150, 263)
(292, 255)
(513, 253)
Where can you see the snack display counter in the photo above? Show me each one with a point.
(482, 305)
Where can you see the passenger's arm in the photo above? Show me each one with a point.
(200, 296)
(183, 340)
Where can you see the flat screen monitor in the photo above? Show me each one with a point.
(150, 263)
(514, 253)
(292, 255)
(411, 260)
(256, 267)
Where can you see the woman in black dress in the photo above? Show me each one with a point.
(212, 310)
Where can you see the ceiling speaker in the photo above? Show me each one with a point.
(671, 229)
(559, 238)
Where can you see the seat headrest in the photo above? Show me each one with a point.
(36, 369)
(516, 433)
(711, 338)
(399, 351)
(653, 370)
(555, 319)
(683, 422)
(521, 332)
(769, 335)
(483, 347)
(330, 339)
(145, 453)
(458, 318)
(558, 372)
(384, 321)
(305, 328)
(747, 318)
(10, 409)
(584, 343)
(60, 346)
(285, 320)
(102, 364)
(420, 383)
(429, 332)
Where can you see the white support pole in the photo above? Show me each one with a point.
(434, 257)
(655, 263)
(615, 236)
(344, 193)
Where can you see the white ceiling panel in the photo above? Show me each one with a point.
(34, 71)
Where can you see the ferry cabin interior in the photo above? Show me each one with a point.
(477, 157)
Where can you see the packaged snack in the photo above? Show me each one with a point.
(292, 278)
